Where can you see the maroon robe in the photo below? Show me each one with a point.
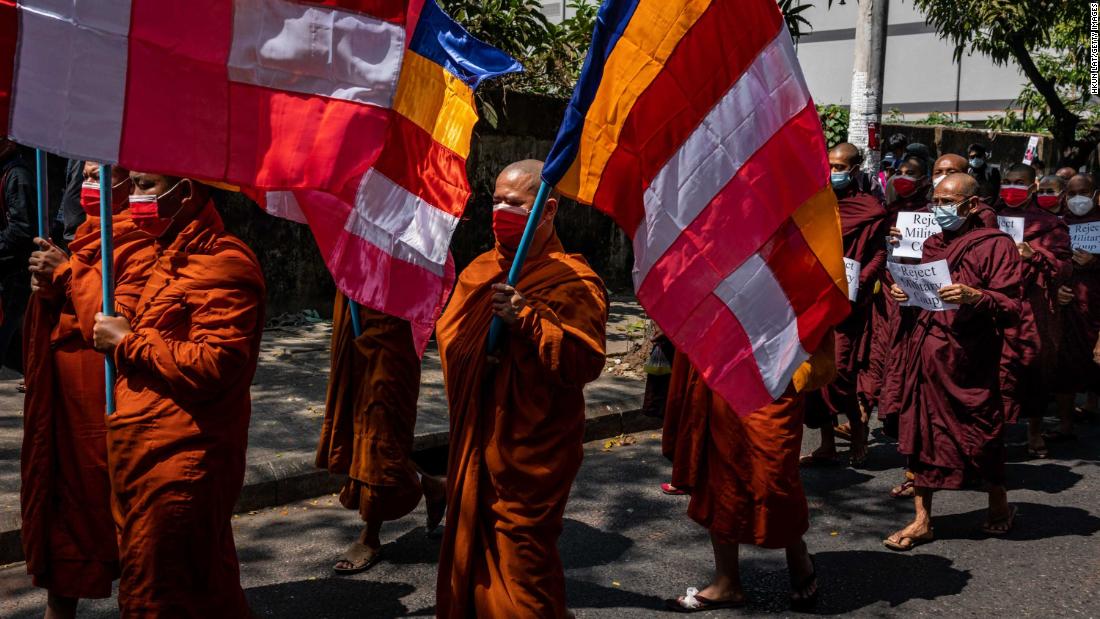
(1030, 353)
(1080, 321)
(951, 417)
(864, 225)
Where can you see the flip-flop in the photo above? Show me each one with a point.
(1057, 436)
(807, 604)
(671, 490)
(903, 490)
(843, 431)
(1008, 521)
(914, 541)
(692, 602)
(814, 460)
(361, 558)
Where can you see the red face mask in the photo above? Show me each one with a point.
(1048, 201)
(145, 211)
(508, 225)
(904, 186)
(89, 197)
(1014, 195)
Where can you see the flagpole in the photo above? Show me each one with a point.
(497, 326)
(356, 324)
(107, 254)
(43, 189)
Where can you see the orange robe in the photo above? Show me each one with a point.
(68, 533)
(176, 444)
(742, 472)
(370, 414)
(517, 432)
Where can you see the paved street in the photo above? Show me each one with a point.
(626, 547)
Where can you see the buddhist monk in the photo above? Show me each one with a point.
(1049, 194)
(1031, 347)
(1065, 173)
(742, 474)
(864, 224)
(368, 430)
(68, 532)
(1079, 300)
(517, 421)
(951, 420)
(176, 443)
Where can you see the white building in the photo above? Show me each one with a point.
(921, 75)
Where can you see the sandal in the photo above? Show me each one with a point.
(671, 490)
(806, 604)
(843, 431)
(903, 490)
(361, 558)
(905, 543)
(692, 602)
(994, 528)
(813, 460)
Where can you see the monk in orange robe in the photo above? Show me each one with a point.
(68, 533)
(742, 473)
(517, 422)
(176, 443)
(368, 431)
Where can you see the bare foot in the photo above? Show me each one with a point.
(913, 535)
(803, 575)
(435, 496)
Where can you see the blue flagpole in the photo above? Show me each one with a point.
(356, 324)
(107, 254)
(497, 327)
(43, 190)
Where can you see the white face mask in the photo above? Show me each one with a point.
(939, 179)
(1079, 205)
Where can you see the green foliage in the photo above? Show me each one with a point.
(834, 120)
(792, 14)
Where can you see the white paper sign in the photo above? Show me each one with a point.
(922, 282)
(915, 230)
(1032, 150)
(851, 269)
(1086, 237)
(1012, 226)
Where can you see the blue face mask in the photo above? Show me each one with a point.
(977, 163)
(840, 180)
(947, 216)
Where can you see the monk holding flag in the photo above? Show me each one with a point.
(68, 532)
(951, 419)
(176, 444)
(517, 419)
(368, 431)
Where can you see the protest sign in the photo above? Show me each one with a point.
(922, 282)
(1012, 226)
(1086, 237)
(851, 270)
(915, 229)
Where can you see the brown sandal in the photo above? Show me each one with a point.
(360, 557)
(905, 543)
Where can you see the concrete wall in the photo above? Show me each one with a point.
(1007, 148)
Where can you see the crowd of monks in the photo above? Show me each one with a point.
(145, 494)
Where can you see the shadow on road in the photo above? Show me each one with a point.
(1034, 521)
(332, 598)
(1048, 478)
(851, 580)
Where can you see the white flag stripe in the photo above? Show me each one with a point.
(757, 300)
(400, 223)
(731, 133)
(316, 50)
(70, 77)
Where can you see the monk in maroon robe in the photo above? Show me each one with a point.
(951, 418)
(1031, 347)
(864, 224)
(1079, 302)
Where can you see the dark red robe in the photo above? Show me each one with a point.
(1080, 321)
(1031, 347)
(864, 225)
(951, 418)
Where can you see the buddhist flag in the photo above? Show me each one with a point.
(692, 127)
(359, 107)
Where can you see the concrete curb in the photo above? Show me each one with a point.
(285, 480)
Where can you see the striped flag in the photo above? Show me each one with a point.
(353, 115)
(693, 128)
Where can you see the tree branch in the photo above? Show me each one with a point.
(1045, 88)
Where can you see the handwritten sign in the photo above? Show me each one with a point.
(1086, 237)
(915, 230)
(851, 270)
(922, 282)
(1031, 152)
(1012, 226)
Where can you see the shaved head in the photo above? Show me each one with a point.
(526, 174)
(914, 165)
(846, 152)
(949, 164)
(1020, 174)
(1066, 173)
(1052, 181)
(959, 184)
(1080, 185)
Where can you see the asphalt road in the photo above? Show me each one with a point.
(626, 547)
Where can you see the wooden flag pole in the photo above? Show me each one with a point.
(497, 327)
(107, 254)
(43, 189)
